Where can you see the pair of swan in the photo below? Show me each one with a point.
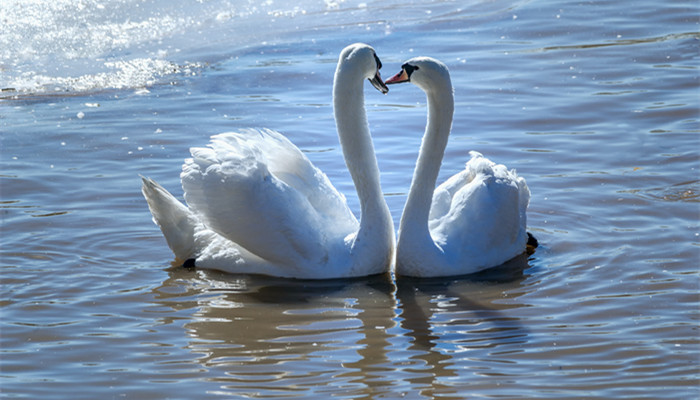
(258, 205)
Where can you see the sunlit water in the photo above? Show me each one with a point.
(594, 103)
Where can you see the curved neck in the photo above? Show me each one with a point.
(417, 210)
(355, 140)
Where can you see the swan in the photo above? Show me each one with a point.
(474, 220)
(257, 205)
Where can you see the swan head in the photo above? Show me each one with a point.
(361, 58)
(425, 72)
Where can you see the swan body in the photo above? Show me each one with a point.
(474, 220)
(256, 204)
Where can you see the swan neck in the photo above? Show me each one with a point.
(356, 142)
(417, 210)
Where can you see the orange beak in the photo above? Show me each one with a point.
(398, 78)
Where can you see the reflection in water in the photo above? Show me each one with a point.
(448, 317)
(268, 336)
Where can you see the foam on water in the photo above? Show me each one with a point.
(74, 46)
(66, 45)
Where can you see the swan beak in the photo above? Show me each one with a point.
(378, 83)
(398, 78)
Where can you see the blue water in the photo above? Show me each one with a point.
(596, 104)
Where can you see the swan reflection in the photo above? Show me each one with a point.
(367, 336)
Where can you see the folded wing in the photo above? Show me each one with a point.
(480, 212)
(258, 190)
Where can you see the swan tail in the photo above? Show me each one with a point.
(173, 218)
(532, 243)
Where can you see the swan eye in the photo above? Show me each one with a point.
(379, 63)
(409, 69)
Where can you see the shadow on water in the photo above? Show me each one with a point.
(257, 329)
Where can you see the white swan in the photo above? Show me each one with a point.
(258, 205)
(473, 221)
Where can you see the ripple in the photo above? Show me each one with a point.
(680, 192)
(620, 42)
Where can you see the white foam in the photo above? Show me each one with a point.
(49, 46)
(67, 45)
(135, 73)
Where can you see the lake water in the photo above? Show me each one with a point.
(596, 104)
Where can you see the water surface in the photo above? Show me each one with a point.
(595, 104)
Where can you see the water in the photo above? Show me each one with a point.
(595, 104)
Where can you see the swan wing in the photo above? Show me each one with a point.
(258, 190)
(480, 213)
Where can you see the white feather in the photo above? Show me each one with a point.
(256, 204)
(474, 220)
